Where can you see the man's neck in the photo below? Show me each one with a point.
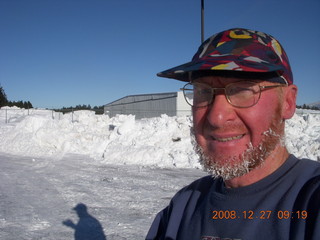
(271, 164)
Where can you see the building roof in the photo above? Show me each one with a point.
(142, 98)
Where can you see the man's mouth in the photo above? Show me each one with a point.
(226, 139)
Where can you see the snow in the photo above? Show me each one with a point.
(162, 142)
(124, 170)
(37, 196)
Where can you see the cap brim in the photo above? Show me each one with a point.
(184, 72)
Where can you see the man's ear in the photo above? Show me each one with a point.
(289, 101)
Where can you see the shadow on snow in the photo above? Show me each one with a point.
(88, 227)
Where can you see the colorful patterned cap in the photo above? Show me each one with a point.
(240, 50)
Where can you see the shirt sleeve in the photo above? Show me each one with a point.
(157, 229)
(313, 209)
(308, 201)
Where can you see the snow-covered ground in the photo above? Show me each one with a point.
(37, 196)
(124, 170)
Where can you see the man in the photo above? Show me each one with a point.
(241, 90)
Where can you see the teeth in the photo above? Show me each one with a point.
(228, 139)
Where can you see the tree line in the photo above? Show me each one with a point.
(304, 106)
(5, 102)
(96, 109)
(27, 105)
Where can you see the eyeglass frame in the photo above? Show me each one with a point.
(261, 88)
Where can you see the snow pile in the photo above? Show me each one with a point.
(163, 141)
(303, 135)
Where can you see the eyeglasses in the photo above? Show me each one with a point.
(242, 94)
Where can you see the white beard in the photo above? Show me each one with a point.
(237, 166)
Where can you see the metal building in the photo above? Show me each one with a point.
(149, 105)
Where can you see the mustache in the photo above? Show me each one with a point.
(227, 127)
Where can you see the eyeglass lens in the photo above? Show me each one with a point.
(239, 94)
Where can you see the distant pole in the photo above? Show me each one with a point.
(202, 21)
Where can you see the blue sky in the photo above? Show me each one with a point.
(58, 53)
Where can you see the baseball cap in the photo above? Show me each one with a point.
(237, 51)
(80, 207)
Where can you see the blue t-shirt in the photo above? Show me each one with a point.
(283, 206)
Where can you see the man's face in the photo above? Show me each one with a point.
(231, 140)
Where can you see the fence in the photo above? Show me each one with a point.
(301, 111)
(8, 115)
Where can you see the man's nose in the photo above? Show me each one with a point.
(220, 111)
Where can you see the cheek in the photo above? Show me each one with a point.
(261, 117)
(256, 124)
(199, 116)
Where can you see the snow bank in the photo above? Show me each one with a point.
(163, 141)
(303, 135)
